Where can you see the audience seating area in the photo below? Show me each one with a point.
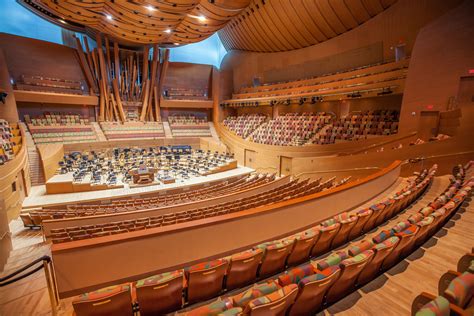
(131, 130)
(10, 142)
(302, 290)
(34, 219)
(45, 84)
(185, 94)
(189, 126)
(287, 191)
(244, 125)
(292, 129)
(357, 126)
(455, 289)
(365, 78)
(60, 128)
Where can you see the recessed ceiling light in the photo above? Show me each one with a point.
(202, 18)
(168, 31)
(176, 43)
(150, 8)
(62, 21)
(109, 17)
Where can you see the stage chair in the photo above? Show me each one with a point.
(112, 300)
(243, 268)
(160, 294)
(205, 280)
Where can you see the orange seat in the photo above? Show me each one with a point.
(205, 280)
(243, 268)
(274, 257)
(112, 300)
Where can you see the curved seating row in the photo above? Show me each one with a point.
(163, 293)
(189, 126)
(322, 283)
(35, 218)
(283, 192)
(455, 292)
(244, 125)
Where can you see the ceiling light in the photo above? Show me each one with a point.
(168, 31)
(109, 17)
(150, 8)
(202, 18)
(62, 21)
(176, 43)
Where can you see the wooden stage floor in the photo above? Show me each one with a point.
(39, 198)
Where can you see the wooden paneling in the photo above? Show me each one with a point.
(279, 25)
(8, 111)
(55, 98)
(50, 155)
(252, 226)
(142, 22)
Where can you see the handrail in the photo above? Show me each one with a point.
(336, 170)
(49, 274)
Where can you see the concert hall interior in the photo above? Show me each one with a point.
(237, 157)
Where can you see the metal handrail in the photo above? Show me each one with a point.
(46, 264)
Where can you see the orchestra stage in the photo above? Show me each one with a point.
(39, 198)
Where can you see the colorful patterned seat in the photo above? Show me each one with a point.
(461, 290)
(303, 243)
(384, 234)
(350, 270)
(276, 303)
(403, 247)
(205, 280)
(296, 274)
(326, 236)
(363, 216)
(331, 260)
(258, 290)
(425, 226)
(436, 307)
(112, 300)
(381, 251)
(214, 308)
(160, 294)
(312, 291)
(415, 218)
(243, 268)
(360, 247)
(231, 312)
(343, 233)
(274, 258)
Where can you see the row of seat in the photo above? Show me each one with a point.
(131, 130)
(10, 141)
(186, 93)
(292, 189)
(47, 84)
(455, 292)
(35, 218)
(244, 125)
(189, 126)
(308, 288)
(165, 292)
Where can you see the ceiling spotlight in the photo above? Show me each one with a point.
(176, 44)
(202, 18)
(150, 8)
(109, 17)
(168, 31)
(62, 21)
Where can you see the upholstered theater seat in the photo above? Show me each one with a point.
(205, 280)
(326, 236)
(258, 290)
(350, 270)
(405, 245)
(347, 223)
(303, 244)
(460, 291)
(274, 257)
(312, 290)
(276, 303)
(381, 251)
(243, 268)
(363, 216)
(112, 300)
(159, 294)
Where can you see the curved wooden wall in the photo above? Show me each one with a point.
(90, 264)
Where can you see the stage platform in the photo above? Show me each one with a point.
(39, 198)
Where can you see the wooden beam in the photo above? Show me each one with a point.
(164, 69)
(90, 62)
(118, 100)
(116, 61)
(107, 54)
(157, 104)
(147, 101)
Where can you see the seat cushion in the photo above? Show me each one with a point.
(328, 222)
(331, 260)
(231, 312)
(410, 230)
(360, 247)
(159, 278)
(415, 218)
(437, 307)
(296, 274)
(461, 289)
(358, 258)
(206, 265)
(214, 308)
(242, 299)
(387, 243)
(102, 293)
(426, 221)
(364, 212)
(320, 275)
(274, 296)
(384, 234)
(401, 226)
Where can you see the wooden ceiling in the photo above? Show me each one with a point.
(166, 22)
(281, 25)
